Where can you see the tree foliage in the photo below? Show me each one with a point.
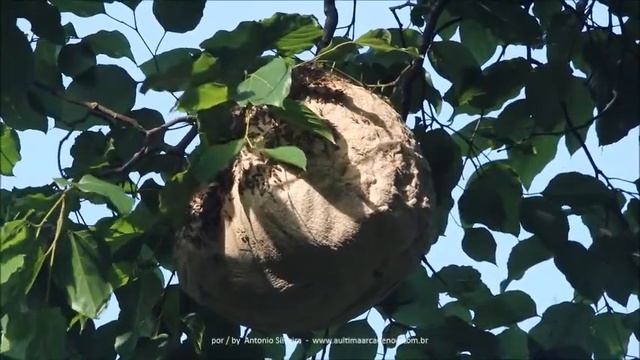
(58, 272)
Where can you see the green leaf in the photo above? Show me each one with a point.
(504, 309)
(514, 123)
(463, 283)
(79, 269)
(9, 149)
(180, 16)
(523, 256)
(113, 193)
(446, 168)
(291, 155)
(108, 85)
(545, 219)
(215, 158)
(44, 19)
(530, 157)
(80, 8)
(21, 257)
(508, 21)
(578, 191)
(454, 62)
(292, 33)
(478, 40)
(500, 82)
(611, 336)
(580, 269)
(74, 59)
(136, 300)
(360, 330)
(111, 43)
(492, 198)
(479, 244)
(269, 85)
(476, 137)
(203, 97)
(169, 71)
(414, 302)
(89, 153)
(545, 90)
(37, 334)
(298, 115)
(513, 344)
(574, 320)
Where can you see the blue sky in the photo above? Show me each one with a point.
(543, 282)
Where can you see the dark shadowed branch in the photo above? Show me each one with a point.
(414, 70)
(152, 141)
(330, 24)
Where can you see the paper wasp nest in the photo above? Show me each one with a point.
(279, 249)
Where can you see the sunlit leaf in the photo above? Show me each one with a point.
(215, 158)
(9, 149)
(113, 193)
(80, 271)
(291, 155)
(298, 115)
(269, 85)
(202, 97)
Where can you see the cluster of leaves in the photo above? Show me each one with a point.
(58, 273)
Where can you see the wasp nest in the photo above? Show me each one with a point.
(278, 249)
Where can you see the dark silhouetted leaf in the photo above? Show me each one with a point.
(513, 343)
(446, 167)
(44, 19)
(575, 320)
(578, 191)
(108, 85)
(478, 40)
(492, 198)
(479, 244)
(454, 62)
(523, 256)
(580, 269)
(611, 336)
(545, 219)
(110, 43)
(74, 59)
(291, 155)
(463, 283)
(414, 302)
(358, 329)
(178, 17)
(80, 8)
(504, 309)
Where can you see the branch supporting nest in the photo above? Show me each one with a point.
(330, 24)
(407, 77)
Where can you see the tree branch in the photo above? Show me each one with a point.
(417, 64)
(330, 24)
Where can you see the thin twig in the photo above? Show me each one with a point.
(100, 111)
